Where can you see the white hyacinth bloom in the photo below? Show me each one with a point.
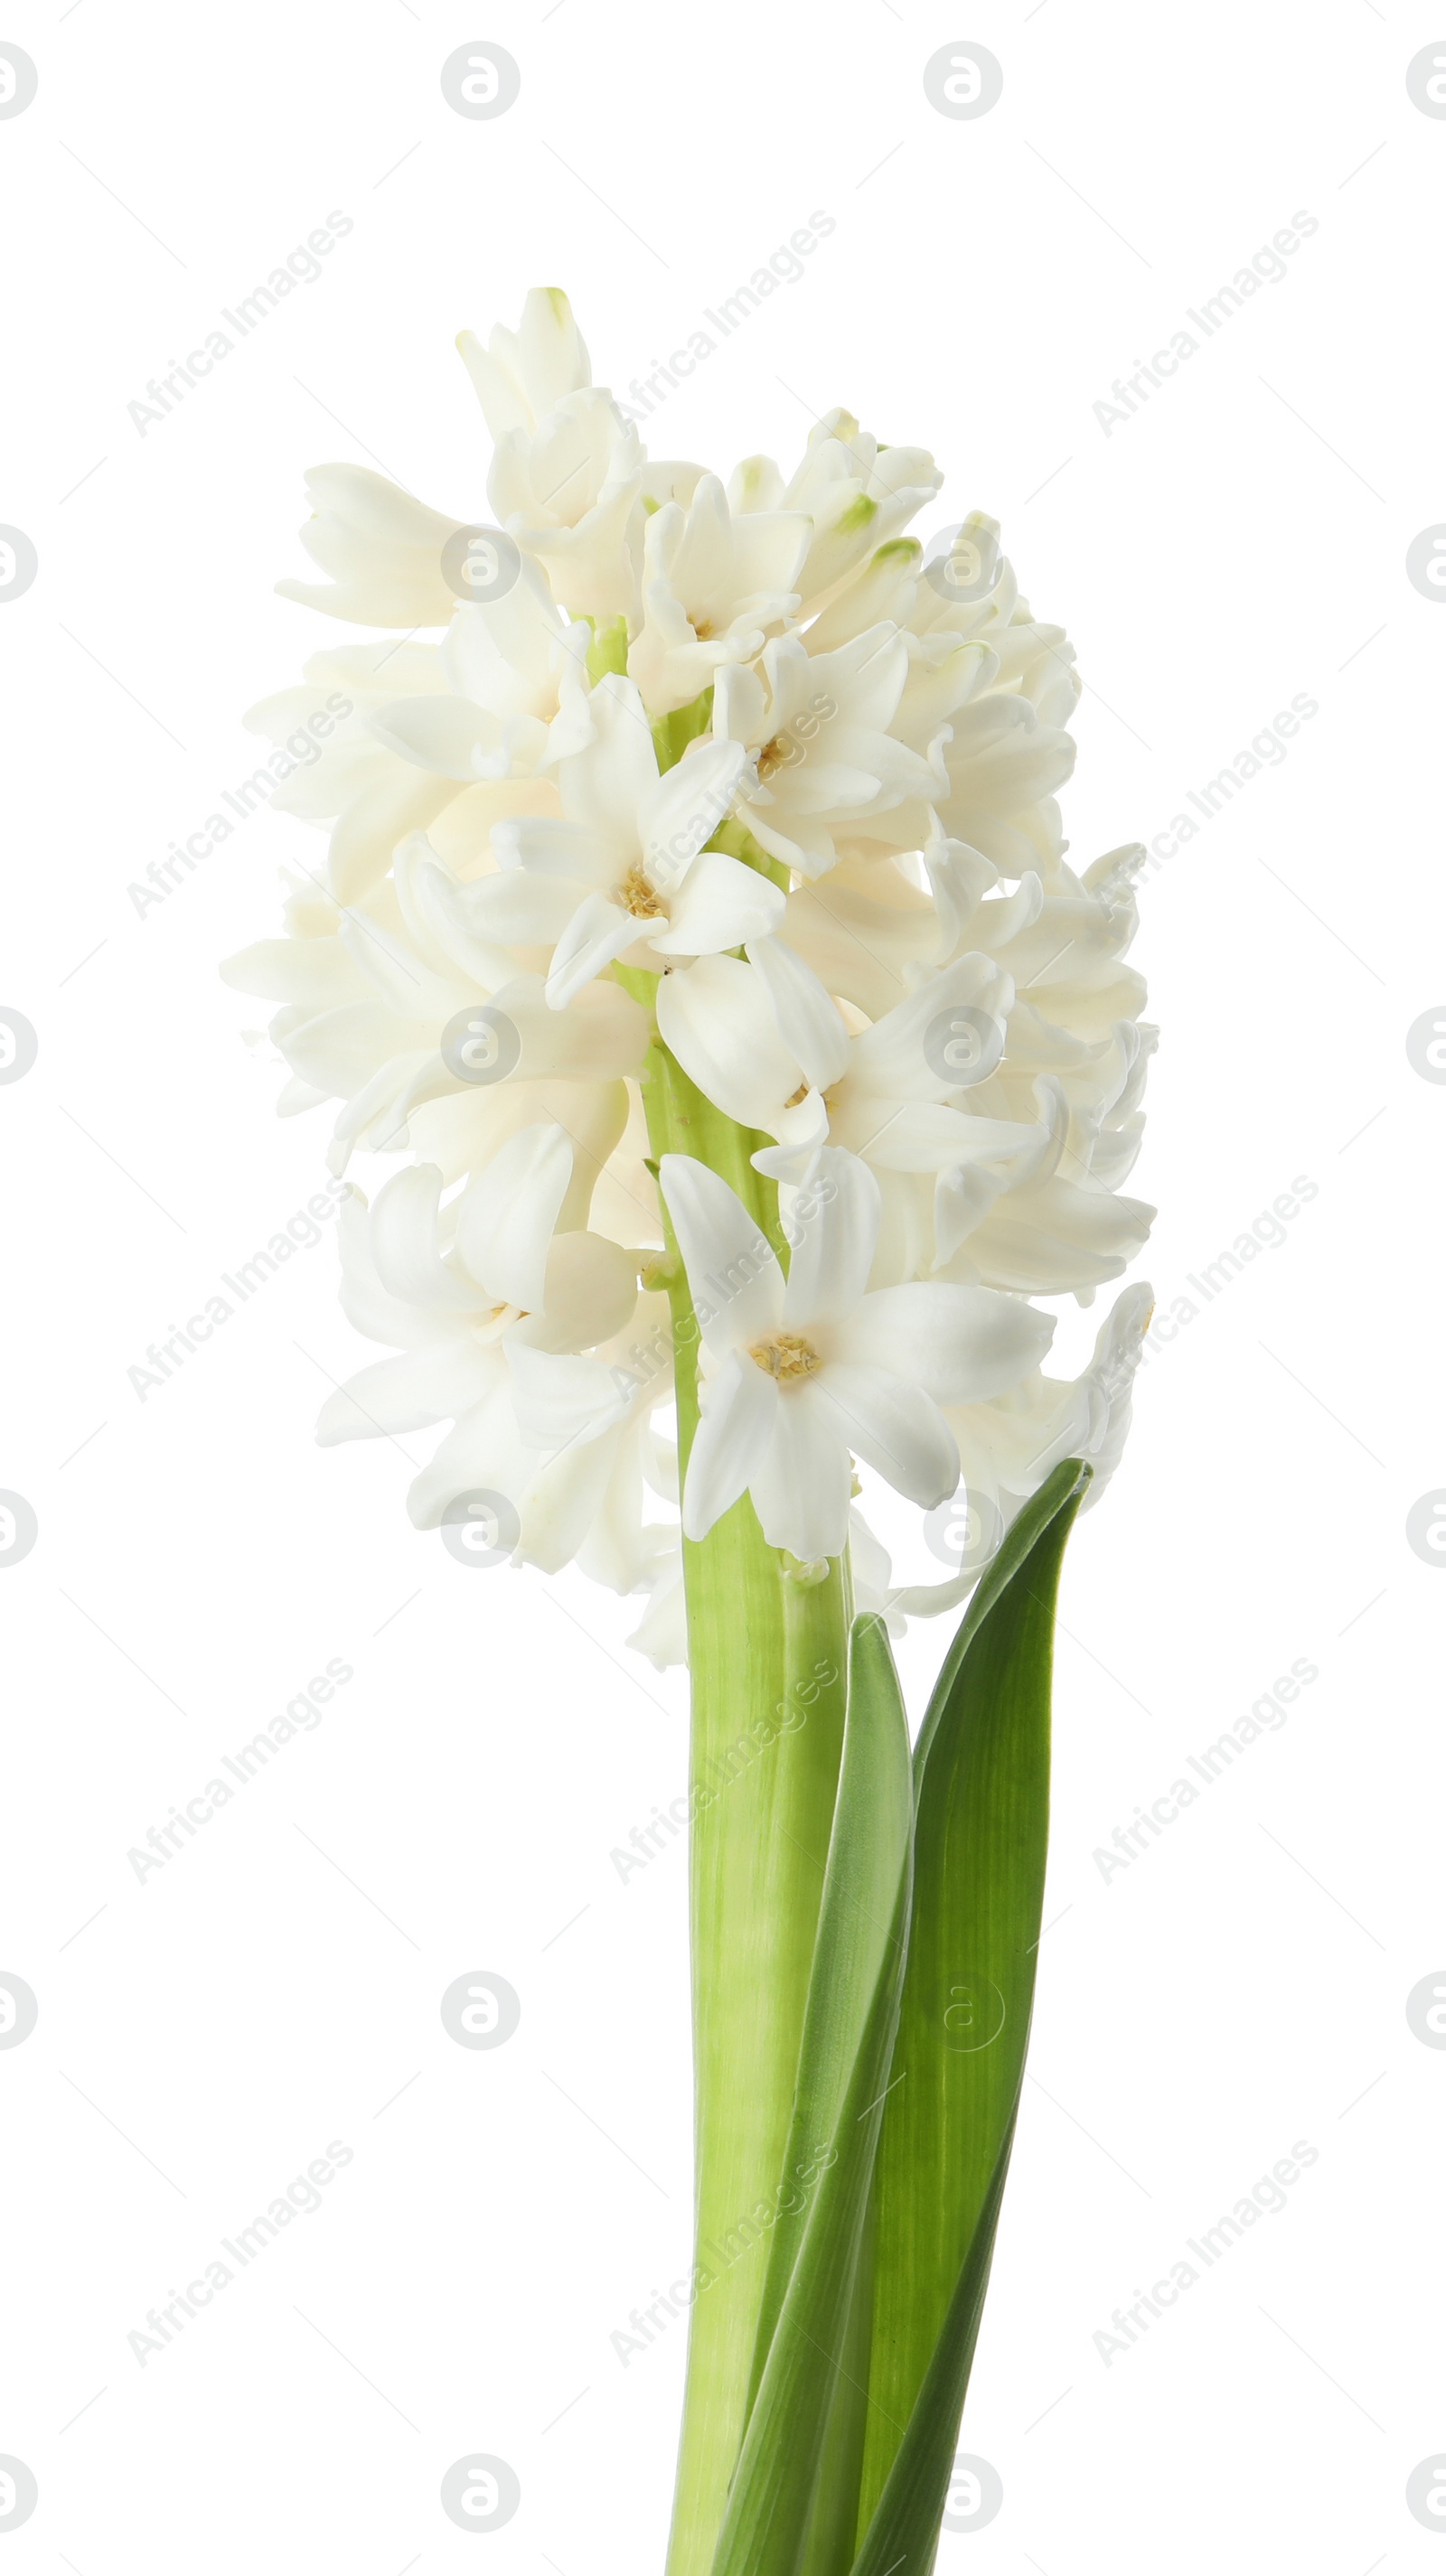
(807, 1370)
(622, 869)
(736, 785)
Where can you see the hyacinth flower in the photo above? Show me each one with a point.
(697, 926)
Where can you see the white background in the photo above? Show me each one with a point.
(1241, 1986)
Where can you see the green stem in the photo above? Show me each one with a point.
(768, 1656)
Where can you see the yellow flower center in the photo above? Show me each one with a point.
(638, 897)
(772, 756)
(785, 1356)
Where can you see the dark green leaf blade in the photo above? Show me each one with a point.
(981, 1776)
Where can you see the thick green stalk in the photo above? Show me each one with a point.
(768, 1657)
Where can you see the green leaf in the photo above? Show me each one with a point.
(808, 2295)
(981, 1783)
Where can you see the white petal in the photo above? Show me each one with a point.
(732, 1270)
(739, 705)
(717, 1019)
(809, 1020)
(892, 1058)
(684, 808)
(604, 1034)
(961, 1343)
(592, 1289)
(801, 1490)
(435, 1384)
(319, 973)
(483, 1453)
(561, 1398)
(740, 1408)
(449, 736)
(894, 1427)
(833, 1226)
(566, 1495)
(598, 932)
(607, 785)
(719, 904)
(506, 1216)
(403, 1236)
(547, 846)
(519, 907)
(925, 1135)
